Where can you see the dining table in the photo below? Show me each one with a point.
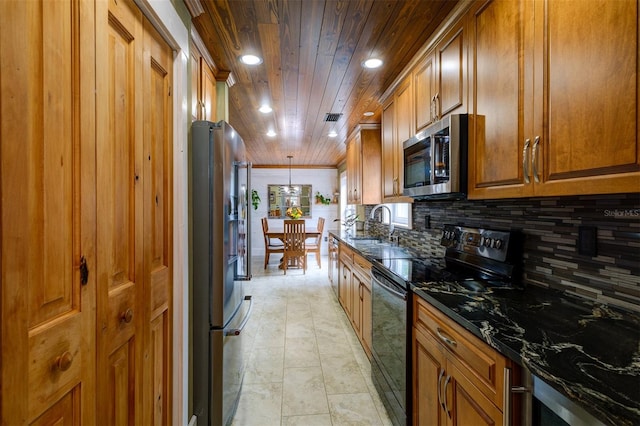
(279, 234)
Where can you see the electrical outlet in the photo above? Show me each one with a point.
(588, 240)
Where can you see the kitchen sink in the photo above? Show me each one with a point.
(366, 238)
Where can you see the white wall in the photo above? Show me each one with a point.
(324, 181)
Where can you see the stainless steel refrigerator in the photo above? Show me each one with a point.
(220, 185)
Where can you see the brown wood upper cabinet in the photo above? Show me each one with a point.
(203, 86)
(450, 73)
(397, 124)
(439, 79)
(434, 87)
(363, 165)
(555, 105)
(424, 83)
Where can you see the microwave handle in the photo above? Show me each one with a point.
(432, 171)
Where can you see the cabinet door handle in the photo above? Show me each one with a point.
(440, 388)
(437, 106)
(446, 406)
(525, 160)
(432, 109)
(448, 340)
(535, 156)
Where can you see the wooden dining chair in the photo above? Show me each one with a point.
(269, 245)
(314, 246)
(295, 252)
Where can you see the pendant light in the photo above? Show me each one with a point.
(290, 190)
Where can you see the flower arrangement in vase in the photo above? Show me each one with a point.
(294, 212)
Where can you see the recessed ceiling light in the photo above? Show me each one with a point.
(251, 59)
(372, 63)
(332, 134)
(368, 114)
(265, 109)
(271, 133)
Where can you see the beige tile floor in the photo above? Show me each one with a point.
(305, 365)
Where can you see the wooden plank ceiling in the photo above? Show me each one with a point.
(312, 52)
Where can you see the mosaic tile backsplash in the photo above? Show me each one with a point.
(549, 227)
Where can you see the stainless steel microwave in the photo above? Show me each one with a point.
(435, 160)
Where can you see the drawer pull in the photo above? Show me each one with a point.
(126, 316)
(63, 362)
(448, 340)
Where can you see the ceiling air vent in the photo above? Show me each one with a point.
(332, 116)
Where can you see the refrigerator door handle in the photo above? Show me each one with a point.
(243, 167)
(237, 331)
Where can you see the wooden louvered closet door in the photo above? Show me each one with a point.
(47, 183)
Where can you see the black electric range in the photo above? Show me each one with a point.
(474, 260)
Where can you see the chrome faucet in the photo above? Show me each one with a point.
(373, 214)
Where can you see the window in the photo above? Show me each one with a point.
(280, 200)
(400, 213)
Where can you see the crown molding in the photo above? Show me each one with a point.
(195, 7)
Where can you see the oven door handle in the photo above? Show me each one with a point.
(396, 293)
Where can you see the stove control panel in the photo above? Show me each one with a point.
(487, 243)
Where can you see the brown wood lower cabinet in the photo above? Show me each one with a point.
(354, 293)
(361, 288)
(457, 378)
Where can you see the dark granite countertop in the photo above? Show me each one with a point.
(587, 351)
